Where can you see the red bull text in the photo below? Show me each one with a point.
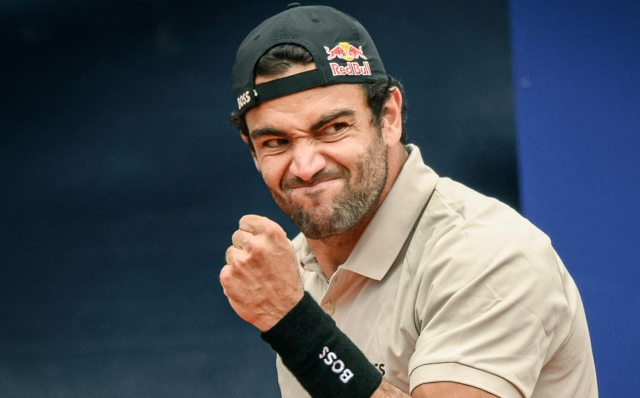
(352, 68)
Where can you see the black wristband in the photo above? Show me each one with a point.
(323, 359)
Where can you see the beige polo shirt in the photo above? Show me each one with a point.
(449, 285)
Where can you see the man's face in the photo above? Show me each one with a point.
(322, 161)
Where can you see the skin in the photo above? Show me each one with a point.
(308, 148)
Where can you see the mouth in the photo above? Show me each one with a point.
(314, 187)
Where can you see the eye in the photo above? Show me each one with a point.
(275, 143)
(336, 128)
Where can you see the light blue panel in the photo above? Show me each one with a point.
(577, 81)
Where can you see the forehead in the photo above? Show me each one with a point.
(302, 109)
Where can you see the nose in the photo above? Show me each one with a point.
(306, 161)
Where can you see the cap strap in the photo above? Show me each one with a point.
(288, 85)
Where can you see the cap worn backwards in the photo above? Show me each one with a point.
(340, 46)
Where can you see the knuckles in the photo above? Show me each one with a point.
(250, 246)
(253, 249)
(268, 229)
(262, 225)
(236, 238)
(225, 276)
(228, 256)
(273, 231)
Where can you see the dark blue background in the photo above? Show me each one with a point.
(123, 180)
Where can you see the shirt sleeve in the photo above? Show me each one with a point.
(488, 304)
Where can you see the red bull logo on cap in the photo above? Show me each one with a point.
(347, 52)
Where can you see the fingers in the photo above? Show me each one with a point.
(237, 257)
(228, 276)
(228, 256)
(241, 239)
(252, 223)
(225, 278)
(260, 225)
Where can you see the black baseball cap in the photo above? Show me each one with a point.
(340, 46)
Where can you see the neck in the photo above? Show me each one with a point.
(334, 251)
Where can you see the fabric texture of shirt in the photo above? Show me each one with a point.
(446, 284)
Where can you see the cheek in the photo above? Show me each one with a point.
(273, 170)
(349, 155)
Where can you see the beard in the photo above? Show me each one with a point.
(359, 195)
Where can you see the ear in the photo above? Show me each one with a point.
(392, 116)
(253, 152)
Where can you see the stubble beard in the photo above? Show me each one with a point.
(350, 206)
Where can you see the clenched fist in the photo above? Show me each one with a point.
(261, 278)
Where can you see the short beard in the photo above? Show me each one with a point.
(348, 208)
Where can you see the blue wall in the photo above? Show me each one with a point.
(577, 84)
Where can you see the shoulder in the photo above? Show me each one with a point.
(470, 226)
(488, 287)
(476, 246)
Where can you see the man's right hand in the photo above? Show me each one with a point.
(261, 278)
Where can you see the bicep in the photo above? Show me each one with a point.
(449, 390)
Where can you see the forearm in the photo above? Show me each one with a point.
(433, 390)
(386, 390)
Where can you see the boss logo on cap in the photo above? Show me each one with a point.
(347, 52)
(243, 99)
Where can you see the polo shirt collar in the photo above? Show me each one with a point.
(392, 224)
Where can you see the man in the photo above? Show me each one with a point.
(401, 282)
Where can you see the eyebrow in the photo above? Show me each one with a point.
(330, 117)
(270, 131)
(274, 132)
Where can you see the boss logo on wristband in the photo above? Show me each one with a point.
(337, 366)
(298, 338)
